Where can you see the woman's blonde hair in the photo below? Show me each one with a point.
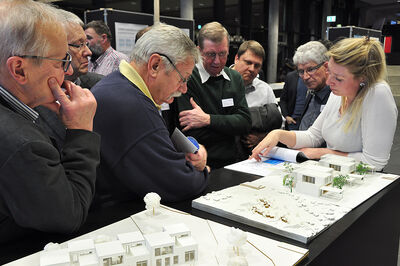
(365, 59)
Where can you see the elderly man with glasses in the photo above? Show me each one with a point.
(137, 154)
(41, 188)
(215, 110)
(79, 51)
(312, 66)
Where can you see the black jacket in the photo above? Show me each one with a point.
(41, 188)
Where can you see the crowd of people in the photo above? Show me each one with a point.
(82, 124)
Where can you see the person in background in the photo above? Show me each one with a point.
(292, 100)
(41, 188)
(311, 62)
(360, 117)
(104, 59)
(137, 154)
(214, 110)
(259, 95)
(79, 51)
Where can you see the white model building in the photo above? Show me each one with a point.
(342, 164)
(309, 181)
(173, 246)
(186, 248)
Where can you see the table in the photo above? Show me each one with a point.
(368, 235)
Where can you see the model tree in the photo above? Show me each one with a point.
(288, 179)
(152, 201)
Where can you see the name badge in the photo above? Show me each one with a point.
(227, 102)
(322, 108)
(164, 106)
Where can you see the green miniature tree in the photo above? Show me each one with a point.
(362, 168)
(288, 179)
(339, 181)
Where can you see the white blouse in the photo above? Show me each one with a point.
(369, 142)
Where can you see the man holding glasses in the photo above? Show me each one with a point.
(137, 154)
(312, 62)
(214, 110)
(41, 188)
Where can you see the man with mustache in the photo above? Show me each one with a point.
(104, 59)
(137, 153)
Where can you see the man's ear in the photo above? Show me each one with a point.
(16, 68)
(236, 58)
(104, 38)
(153, 65)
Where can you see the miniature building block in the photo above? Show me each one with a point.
(310, 181)
(177, 230)
(161, 246)
(339, 164)
(59, 257)
(131, 248)
(186, 248)
(110, 253)
(78, 248)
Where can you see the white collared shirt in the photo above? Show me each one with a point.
(204, 75)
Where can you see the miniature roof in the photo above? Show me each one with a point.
(88, 259)
(186, 241)
(131, 237)
(313, 173)
(80, 245)
(176, 229)
(159, 239)
(139, 251)
(338, 157)
(315, 168)
(337, 162)
(53, 257)
(109, 249)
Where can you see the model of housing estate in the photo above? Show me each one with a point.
(173, 246)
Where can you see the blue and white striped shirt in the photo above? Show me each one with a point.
(18, 106)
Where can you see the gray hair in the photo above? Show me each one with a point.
(70, 17)
(21, 23)
(311, 51)
(164, 39)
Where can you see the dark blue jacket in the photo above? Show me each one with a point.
(137, 154)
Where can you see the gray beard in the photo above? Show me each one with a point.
(96, 50)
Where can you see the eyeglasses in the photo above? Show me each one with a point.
(310, 70)
(183, 80)
(79, 46)
(213, 55)
(66, 61)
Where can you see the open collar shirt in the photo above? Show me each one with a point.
(204, 75)
(107, 62)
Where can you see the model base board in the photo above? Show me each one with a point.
(212, 239)
(268, 205)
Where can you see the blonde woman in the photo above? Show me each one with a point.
(359, 119)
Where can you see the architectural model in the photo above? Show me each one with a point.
(173, 246)
(312, 206)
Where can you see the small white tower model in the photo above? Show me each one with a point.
(342, 164)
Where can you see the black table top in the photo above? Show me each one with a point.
(343, 232)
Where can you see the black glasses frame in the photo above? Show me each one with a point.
(310, 71)
(79, 46)
(66, 61)
(183, 80)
